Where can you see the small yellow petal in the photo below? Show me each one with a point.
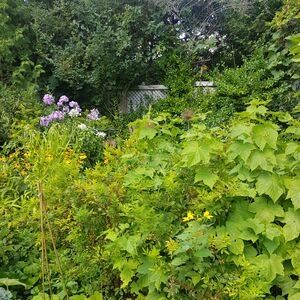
(190, 216)
(207, 215)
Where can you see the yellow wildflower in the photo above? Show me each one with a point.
(207, 215)
(82, 156)
(190, 216)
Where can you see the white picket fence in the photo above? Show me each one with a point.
(144, 95)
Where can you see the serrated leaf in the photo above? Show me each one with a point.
(240, 149)
(204, 174)
(158, 277)
(194, 153)
(291, 229)
(263, 159)
(241, 131)
(269, 184)
(265, 210)
(244, 190)
(128, 271)
(270, 266)
(273, 231)
(293, 185)
(265, 134)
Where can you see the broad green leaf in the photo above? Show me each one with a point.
(194, 153)
(96, 296)
(265, 210)
(263, 159)
(241, 131)
(130, 244)
(158, 276)
(265, 134)
(148, 131)
(237, 246)
(256, 226)
(195, 278)
(237, 222)
(255, 108)
(179, 260)
(78, 297)
(293, 186)
(244, 190)
(10, 282)
(146, 265)
(269, 184)
(295, 258)
(273, 231)
(291, 148)
(240, 149)
(204, 174)
(269, 266)
(154, 295)
(297, 295)
(291, 229)
(126, 275)
(270, 245)
(202, 253)
(128, 271)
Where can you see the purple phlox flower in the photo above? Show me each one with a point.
(65, 109)
(94, 114)
(44, 121)
(56, 115)
(75, 112)
(73, 104)
(48, 99)
(62, 100)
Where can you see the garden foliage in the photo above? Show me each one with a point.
(196, 198)
(176, 211)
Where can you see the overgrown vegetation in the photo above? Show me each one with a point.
(196, 197)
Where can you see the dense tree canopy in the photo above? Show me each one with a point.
(90, 49)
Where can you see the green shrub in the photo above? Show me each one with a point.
(172, 212)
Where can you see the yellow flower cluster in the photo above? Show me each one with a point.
(190, 216)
